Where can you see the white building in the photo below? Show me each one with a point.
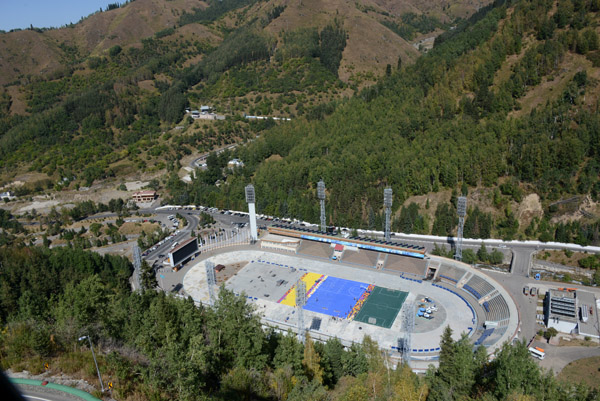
(233, 163)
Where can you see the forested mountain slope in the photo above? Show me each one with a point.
(505, 104)
(96, 99)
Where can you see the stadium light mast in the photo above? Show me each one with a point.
(211, 280)
(250, 199)
(461, 208)
(300, 302)
(409, 326)
(387, 204)
(321, 196)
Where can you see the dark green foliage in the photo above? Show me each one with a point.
(41, 272)
(590, 262)
(289, 354)
(274, 13)
(411, 24)
(172, 104)
(331, 359)
(148, 276)
(333, 42)
(242, 46)
(300, 43)
(464, 374)
(84, 209)
(482, 253)
(115, 50)
(354, 362)
(478, 224)
(445, 220)
(410, 221)
(456, 375)
(10, 223)
(508, 226)
(164, 32)
(469, 256)
(440, 250)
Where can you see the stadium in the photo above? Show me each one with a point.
(395, 293)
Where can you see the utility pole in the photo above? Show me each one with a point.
(95, 362)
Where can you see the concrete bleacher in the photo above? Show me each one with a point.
(478, 287)
(405, 264)
(361, 257)
(487, 333)
(497, 309)
(450, 274)
(495, 336)
(317, 249)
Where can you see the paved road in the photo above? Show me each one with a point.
(37, 393)
(184, 233)
(559, 357)
(197, 163)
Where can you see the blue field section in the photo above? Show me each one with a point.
(335, 297)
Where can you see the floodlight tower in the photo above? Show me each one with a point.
(250, 198)
(321, 196)
(387, 204)
(300, 302)
(461, 207)
(211, 280)
(409, 326)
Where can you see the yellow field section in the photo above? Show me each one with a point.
(290, 297)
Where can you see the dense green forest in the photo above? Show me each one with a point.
(158, 347)
(446, 122)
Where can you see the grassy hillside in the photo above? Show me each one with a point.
(460, 120)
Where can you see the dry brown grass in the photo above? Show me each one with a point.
(137, 228)
(561, 257)
(585, 371)
(553, 86)
(577, 342)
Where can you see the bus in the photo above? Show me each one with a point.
(537, 352)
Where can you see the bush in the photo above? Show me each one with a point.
(115, 50)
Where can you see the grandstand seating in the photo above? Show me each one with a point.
(498, 309)
(361, 257)
(484, 336)
(495, 336)
(492, 301)
(450, 273)
(405, 264)
(315, 249)
(477, 285)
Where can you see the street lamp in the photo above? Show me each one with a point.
(94, 356)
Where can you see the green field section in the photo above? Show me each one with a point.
(382, 305)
